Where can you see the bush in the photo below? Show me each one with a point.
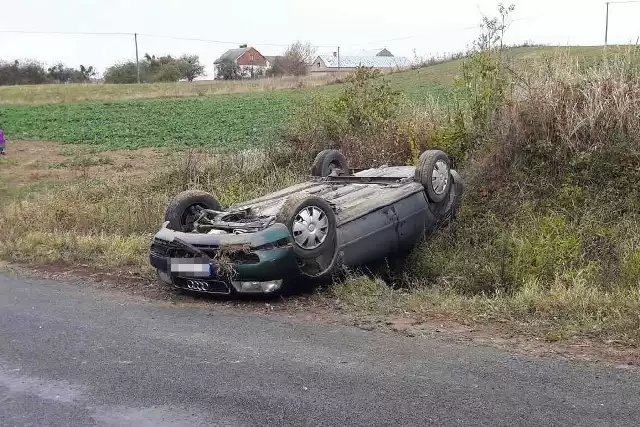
(32, 72)
(167, 73)
(551, 155)
(368, 121)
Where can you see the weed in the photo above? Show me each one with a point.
(368, 122)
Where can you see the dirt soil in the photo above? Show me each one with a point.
(28, 162)
(317, 307)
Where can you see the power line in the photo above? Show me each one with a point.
(221, 41)
(215, 41)
(83, 33)
(136, 35)
(206, 40)
(75, 33)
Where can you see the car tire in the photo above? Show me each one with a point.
(180, 211)
(327, 161)
(319, 234)
(434, 173)
(447, 211)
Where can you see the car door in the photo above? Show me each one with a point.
(369, 237)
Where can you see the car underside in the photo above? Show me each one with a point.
(306, 232)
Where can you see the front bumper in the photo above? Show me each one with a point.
(224, 264)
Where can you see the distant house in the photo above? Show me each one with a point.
(328, 64)
(251, 62)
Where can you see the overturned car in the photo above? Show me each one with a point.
(306, 232)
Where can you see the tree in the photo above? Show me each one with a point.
(168, 72)
(126, 72)
(60, 73)
(190, 67)
(17, 73)
(85, 74)
(170, 69)
(156, 69)
(228, 69)
(294, 60)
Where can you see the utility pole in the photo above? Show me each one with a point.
(338, 61)
(606, 28)
(135, 36)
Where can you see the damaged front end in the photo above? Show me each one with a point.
(227, 252)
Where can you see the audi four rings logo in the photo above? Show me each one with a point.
(197, 285)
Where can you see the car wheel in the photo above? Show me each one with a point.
(328, 161)
(184, 209)
(312, 224)
(434, 173)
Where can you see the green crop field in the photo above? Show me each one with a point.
(239, 119)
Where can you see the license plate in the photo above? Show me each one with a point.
(191, 267)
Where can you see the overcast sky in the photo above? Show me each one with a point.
(429, 27)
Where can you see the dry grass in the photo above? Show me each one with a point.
(52, 93)
(32, 165)
(107, 221)
(548, 238)
(569, 307)
(100, 251)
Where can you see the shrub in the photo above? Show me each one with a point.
(368, 121)
(550, 155)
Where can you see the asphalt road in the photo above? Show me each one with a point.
(73, 357)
